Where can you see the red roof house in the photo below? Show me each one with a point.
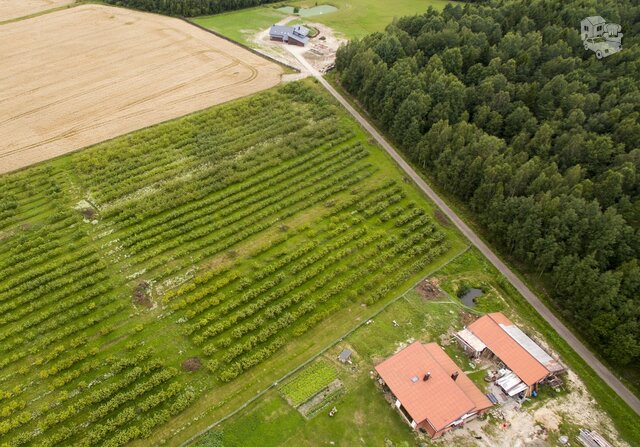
(431, 391)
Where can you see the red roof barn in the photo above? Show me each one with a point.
(431, 391)
(494, 333)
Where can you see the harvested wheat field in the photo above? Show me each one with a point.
(13, 9)
(93, 72)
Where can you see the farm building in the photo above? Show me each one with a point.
(494, 335)
(430, 390)
(293, 35)
(345, 355)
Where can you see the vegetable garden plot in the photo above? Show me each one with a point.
(249, 226)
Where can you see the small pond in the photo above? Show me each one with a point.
(315, 11)
(469, 298)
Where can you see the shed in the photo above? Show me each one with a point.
(471, 344)
(523, 356)
(345, 355)
(293, 35)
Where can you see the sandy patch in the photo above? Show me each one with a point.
(12, 9)
(530, 426)
(77, 77)
(320, 52)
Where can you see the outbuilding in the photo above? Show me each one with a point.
(345, 355)
(527, 364)
(293, 35)
(431, 392)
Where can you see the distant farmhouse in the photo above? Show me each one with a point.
(431, 392)
(293, 35)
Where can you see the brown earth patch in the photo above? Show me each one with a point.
(467, 318)
(141, 294)
(441, 217)
(192, 364)
(89, 213)
(428, 289)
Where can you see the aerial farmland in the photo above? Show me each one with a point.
(93, 72)
(219, 240)
(206, 240)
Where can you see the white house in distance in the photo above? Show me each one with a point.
(293, 35)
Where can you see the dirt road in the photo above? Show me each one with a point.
(555, 323)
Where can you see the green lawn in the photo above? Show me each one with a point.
(354, 18)
(242, 24)
(364, 417)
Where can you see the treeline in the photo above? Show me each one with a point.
(504, 108)
(188, 8)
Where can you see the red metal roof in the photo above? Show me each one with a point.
(469, 388)
(439, 400)
(512, 354)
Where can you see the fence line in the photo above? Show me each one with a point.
(321, 352)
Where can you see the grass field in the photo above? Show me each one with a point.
(364, 417)
(354, 18)
(94, 72)
(245, 237)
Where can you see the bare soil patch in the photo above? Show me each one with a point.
(93, 72)
(320, 52)
(141, 294)
(192, 364)
(428, 289)
(539, 423)
(13, 9)
(441, 218)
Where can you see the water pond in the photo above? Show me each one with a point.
(469, 297)
(310, 12)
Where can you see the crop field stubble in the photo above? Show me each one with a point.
(91, 73)
(13, 9)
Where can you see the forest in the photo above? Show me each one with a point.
(502, 107)
(188, 8)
